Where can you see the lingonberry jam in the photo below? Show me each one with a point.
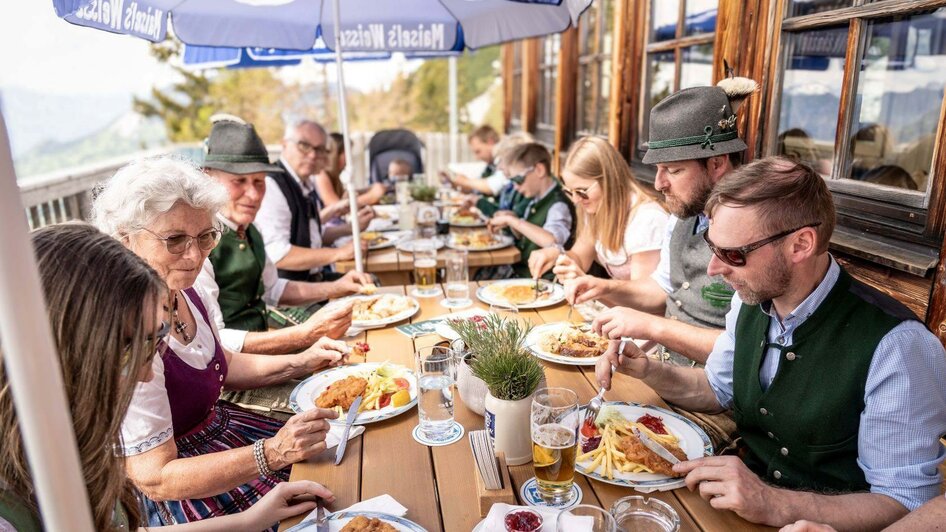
(522, 521)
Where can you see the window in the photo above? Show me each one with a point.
(679, 52)
(595, 41)
(515, 114)
(548, 79)
(869, 129)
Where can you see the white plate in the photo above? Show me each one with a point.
(443, 328)
(338, 520)
(504, 241)
(477, 223)
(306, 392)
(407, 245)
(488, 296)
(533, 341)
(693, 440)
(374, 324)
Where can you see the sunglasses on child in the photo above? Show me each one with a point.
(521, 178)
(737, 256)
(580, 192)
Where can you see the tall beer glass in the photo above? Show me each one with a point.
(425, 268)
(554, 442)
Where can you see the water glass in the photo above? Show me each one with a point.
(425, 268)
(641, 513)
(583, 515)
(554, 443)
(405, 216)
(436, 371)
(402, 191)
(457, 279)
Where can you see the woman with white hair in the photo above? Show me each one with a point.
(191, 455)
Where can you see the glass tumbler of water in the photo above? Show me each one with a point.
(436, 371)
(554, 443)
(457, 279)
(425, 268)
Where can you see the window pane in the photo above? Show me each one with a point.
(548, 74)
(696, 67)
(601, 126)
(660, 79)
(595, 28)
(700, 17)
(798, 8)
(516, 112)
(810, 96)
(899, 95)
(664, 15)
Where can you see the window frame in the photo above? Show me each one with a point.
(586, 64)
(516, 49)
(545, 131)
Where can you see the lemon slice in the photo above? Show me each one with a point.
(543, 457)
(400, 398)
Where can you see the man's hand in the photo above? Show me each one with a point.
(806, 526)
(365, 215)
(502, 219)
(541, 260)
(325, 352)
(632, 361)
(728, 484)
(350, 283)
(623, 322)
(336, 209)
(347, 250)
(584, 288)
(331, 321)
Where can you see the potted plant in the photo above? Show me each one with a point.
(511, 375)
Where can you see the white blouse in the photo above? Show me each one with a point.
(148, 422)
(644, 232)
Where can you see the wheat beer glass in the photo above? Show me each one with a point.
(425, 268)
(554, 442)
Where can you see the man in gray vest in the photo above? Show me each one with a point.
(837, 388)
(694, 143)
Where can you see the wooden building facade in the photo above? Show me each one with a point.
(855, 88)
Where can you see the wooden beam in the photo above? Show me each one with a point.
(565, 95)
(776, 56)
(506, 73)
(627, 58)
(937, 205)
(530, 83)
(835, 17)
(842, 135)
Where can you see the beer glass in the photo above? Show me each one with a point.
(425, 268)
(435, 376)
(457, 279)
(554, 443)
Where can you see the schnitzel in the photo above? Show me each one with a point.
(342, 393)
(635, 451)
(364, 524)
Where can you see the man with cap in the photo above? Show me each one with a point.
(238, 277)
(694, 143)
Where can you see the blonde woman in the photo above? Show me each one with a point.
(621, 225)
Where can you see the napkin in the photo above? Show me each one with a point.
(384, 504)
(572, 523)
(334, 436)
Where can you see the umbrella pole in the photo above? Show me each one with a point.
(32, 368)
(454, 112)
(343, 120)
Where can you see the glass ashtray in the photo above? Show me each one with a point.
(641, 514)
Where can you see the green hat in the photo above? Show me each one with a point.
(235, 147)
(697, 123)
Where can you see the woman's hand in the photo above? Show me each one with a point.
(566, 268)
(331, 321)
(541, 260)
(302, 437)
(285, 500)
(325, 352)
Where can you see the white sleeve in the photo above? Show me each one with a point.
(647, 230)
(274, 221)
(206, 283)
(662, 273)
(273, 286)
(148, 421)
(496, 182)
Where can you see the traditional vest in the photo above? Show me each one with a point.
(509, 199)
(536, 213)
(303, 208)
(697, 298)
(801, 433)
(238, 270)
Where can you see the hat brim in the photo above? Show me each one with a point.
(693, 151)
(243, 168)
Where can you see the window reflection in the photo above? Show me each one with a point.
(899, 95)
(797, 8)
(810, 99)
(516, 111)
(548, 74)
(664, 15)
(596, 29)
(696, 67)
(700, 17)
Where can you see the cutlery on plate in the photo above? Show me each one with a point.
(352, 414)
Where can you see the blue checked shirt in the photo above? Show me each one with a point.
(905, 397)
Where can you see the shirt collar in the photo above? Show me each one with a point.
(547, 192)
(227, 222)
(811, 303)
(702, 223)
(292, 173)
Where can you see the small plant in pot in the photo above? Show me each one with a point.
(511, 375)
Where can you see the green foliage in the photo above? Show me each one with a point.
(500, 358)
(423, 192)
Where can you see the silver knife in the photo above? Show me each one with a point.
(656, 447)
(352, 414)
(321, 519)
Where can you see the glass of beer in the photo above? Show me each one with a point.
(425, 268)
(554, 442)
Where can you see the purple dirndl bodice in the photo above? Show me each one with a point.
(192, 392)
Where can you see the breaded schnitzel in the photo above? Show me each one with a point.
(363, 524)
(342, 393)
(635, 451)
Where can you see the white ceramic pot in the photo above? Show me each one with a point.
(507, 423)
(472, 389)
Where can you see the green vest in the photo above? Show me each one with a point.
(16, 512)
(801, 433)
(537, 214)
(238, 270)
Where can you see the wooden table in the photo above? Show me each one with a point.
(436, 483)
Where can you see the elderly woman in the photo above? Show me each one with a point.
(105, 314)
(191, 455)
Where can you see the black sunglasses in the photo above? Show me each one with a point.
(521, 178)
(737, 256)
(580, 192)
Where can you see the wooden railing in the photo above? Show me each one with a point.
(66, 195)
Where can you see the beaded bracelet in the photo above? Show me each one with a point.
(260, 456)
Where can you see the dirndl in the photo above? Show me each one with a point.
(230, 427)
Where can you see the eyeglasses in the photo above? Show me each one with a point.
(178, 244)
(308, 149)
(521, 178)
(737, 256)
(151, 341)
(580, 192)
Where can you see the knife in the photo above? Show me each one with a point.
(656, 447)
(352, 414)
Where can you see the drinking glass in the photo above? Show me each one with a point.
(435, 377)
(457, 279)
(583, 515)
(640, 513)
(405, 216)
(402, 191)
(425, 268)
(554, 445)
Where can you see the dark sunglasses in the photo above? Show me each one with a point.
(521, 178)
(580, 192)
(307, 148)
(151, 341)
(737, 256)
(178, 244)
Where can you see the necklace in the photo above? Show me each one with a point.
(179, 326)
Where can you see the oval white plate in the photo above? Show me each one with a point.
(374, 324)
(306, 392)
(533, 341)
(504, 242)
(407, 245)
(338, 520)
(488, 296)
(476, 223)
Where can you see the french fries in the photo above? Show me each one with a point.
(609, 459)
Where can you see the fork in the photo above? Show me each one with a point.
(594, 406)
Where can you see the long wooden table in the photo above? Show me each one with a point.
(436, 483)
(394, 267)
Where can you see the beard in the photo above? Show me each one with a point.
(774, 283)
(688, 209)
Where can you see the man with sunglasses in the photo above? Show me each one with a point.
(837, 388)
(289, 217)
